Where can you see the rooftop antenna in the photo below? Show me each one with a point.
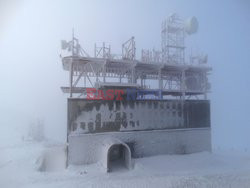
(73, 46)
(73, 42)
(174, 31)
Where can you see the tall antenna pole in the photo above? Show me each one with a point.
(73, 42)
(71, 65)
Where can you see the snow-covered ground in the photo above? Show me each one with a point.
(217, 169)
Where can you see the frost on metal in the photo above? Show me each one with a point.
(113, 132)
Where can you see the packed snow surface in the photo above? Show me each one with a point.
(218, 169)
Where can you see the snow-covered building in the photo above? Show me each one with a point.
(121, 108)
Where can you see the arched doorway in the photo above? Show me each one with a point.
(119, 157)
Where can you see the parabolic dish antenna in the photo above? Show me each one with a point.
(191, 25)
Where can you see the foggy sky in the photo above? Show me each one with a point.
(31, 71)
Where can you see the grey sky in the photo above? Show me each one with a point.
(31, 71)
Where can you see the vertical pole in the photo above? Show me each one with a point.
(104, 73)
(109, 56)
(103, 50)
(73, 43)
(95, 50)
(183, 88)
(133, 48)
(122, 51)
(183, 78)
(71, 77)
(133, 80)
(85, 75)
(160, 84)
(205, 83)
(160, 79)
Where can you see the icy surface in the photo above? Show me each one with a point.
(218, 169)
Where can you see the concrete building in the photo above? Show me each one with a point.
(122, 108)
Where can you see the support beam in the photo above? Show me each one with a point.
(104, 73)
(71, 78)
(183, 84)
(160, 80)
(85, 75)
(133, 79)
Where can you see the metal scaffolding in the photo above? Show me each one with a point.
(175, 77)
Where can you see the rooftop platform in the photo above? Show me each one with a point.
(166, 69)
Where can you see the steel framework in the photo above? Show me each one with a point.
(174, 76)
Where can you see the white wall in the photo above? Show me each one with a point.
(87, 148)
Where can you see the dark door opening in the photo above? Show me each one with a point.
(117, 157)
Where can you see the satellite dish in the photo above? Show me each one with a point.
(191, 25)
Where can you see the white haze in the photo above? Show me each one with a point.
(31, 71)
